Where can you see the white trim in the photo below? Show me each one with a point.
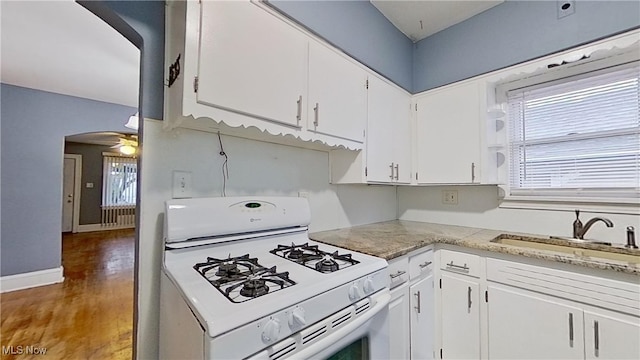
(31, 279)
(560, 204)
(77, 190)
(100, 227)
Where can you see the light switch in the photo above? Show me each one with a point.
(89, 185)
(182, 184)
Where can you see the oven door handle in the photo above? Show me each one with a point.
(382, 303)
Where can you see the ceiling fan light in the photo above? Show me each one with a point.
(127, 149)
(133, 122)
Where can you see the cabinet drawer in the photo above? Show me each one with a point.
(398, 271)
(420, 264)
(461, 263)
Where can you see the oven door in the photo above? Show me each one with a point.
(364, 338)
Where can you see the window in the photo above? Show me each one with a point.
(119, 181)
(577, 137)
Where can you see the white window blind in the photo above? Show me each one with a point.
(577, 137)
(119, 181)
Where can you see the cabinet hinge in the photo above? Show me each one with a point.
(195, 84)
(367, 84)
(365, 171)
(486, 296)
(440, 353)
(440, 288)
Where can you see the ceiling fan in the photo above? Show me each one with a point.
(127, 144)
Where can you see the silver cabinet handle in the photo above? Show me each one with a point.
(391, 167)
(299, 113)
(458, 267)
(473, 172)
(571, 329)
(399, 273)
(596, 338)
(425, 264)
(469, 299)
(317, 117)
(397, 170)
(418, 307)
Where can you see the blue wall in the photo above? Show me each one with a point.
(34, 124)
(514, 32)
(147, 18)
(360, 30)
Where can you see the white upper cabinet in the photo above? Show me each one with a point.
(387, 154)
(448, 134)
(388, 132)
(251, 62)
(337, 94)
(243, 65)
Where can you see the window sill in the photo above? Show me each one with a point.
(627, 206)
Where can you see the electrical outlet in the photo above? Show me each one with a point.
(182, 184)
(450, 197)
(565, 8)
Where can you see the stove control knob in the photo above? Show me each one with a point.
(354, 292)
(271, 331)
(296, 318)
(368, 285)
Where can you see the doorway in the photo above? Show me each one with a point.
(71, 178)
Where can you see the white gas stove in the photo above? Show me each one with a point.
(245, 270)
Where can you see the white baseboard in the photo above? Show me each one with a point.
(100, 227)
(31, 279)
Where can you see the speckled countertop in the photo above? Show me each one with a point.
(392, 239)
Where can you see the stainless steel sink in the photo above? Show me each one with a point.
(580, 249)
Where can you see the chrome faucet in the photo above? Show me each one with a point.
(579, 230)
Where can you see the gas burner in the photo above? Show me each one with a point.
(227, 269)
(312, 257)
(254, 288)
(327, 264)
(242, 278)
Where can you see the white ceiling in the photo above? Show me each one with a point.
(61, 47)
(420, 18)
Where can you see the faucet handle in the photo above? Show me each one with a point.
(577, 214)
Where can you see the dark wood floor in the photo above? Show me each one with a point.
(90, 314)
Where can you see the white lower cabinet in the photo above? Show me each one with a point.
(526, 325)
(610, 335)
(411, 310)
(421, 305)
(460, 317)
(421, 318)
(399, 323)
(538, 312)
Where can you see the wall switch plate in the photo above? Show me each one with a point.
(566, 8)
(450, 197)
(182, 184)
(303, 194)
(89, 185)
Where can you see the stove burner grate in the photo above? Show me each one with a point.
(242, 278)
(312, 257)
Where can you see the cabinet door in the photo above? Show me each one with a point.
(525, 325)
(399, 323)
(460, 317)
(448, 122)
(611, 336)
(251, 62)
(422, 322)
(388, 120)
(337, 95)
